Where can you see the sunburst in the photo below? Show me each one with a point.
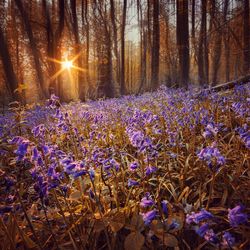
(66, 65)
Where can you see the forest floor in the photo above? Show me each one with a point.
(162, 170)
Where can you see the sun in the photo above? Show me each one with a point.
(67, 64)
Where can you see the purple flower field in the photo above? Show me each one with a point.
(164, 170)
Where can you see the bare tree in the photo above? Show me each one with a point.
(122, 76)
(34, 49)
(182, 35)
(11, 79)
(246, 37)
(156, 46)
(78, 50)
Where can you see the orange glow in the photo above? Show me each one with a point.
(67, 64)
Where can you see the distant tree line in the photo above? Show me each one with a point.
(178, 42)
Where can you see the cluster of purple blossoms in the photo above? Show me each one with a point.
(203, 229)
(236, 216)
(132, 183)
(147, 201)
(22, 148)
(134, 165)
(212, 156)
(150, 169)
(240, 109)
(149, 216)
(244, 134)
(74, 168)
(228, 240)
(210, 130)
(198, 217)
(54, 101)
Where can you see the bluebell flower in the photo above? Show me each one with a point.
(134, 166)
(79, 173)
(150, 170)
(35, 154)
(147, 201)
(149, 216)
(64, 189)
(5, 209)
(8, 183)
(91, 194)
(210, 236)
(236, 216)
(244, 134)
(228, 240)
(210, 130)
(132, 183)
(92, 174)
(69, 167)
(198, 217)
(45, 149)
(201, 231)
(212, 155)
(164, 205)
(174, 225)
(22, 149)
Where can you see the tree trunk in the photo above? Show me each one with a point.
(122, 76)
(201, 64)
(11, 80)
(246, 37)
(78, 61)
(41, 87)
(117, 56)
(156, 47)
(183, 41)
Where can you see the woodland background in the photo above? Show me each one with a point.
(119, 47)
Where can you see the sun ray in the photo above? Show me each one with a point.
(57, 74)
(66, 65)
(78, 68)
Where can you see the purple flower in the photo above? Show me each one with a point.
(8, 183)
(228, 240)
(132, 183)
(134, 166)
(198, 217)
(22, 149)
(236, 217)
(147, 201)
(64, 189)
(35, 154)
(5, 209)
(174, 225)
(244, 133)
(79, 173)
(149, 216)
(211, 236)
(150, 170)
(69, 167)
(91, 194)
(45, 149)
(201, 231)
(211, 155)
(92, 174)
(210, 130)
(164, 205)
